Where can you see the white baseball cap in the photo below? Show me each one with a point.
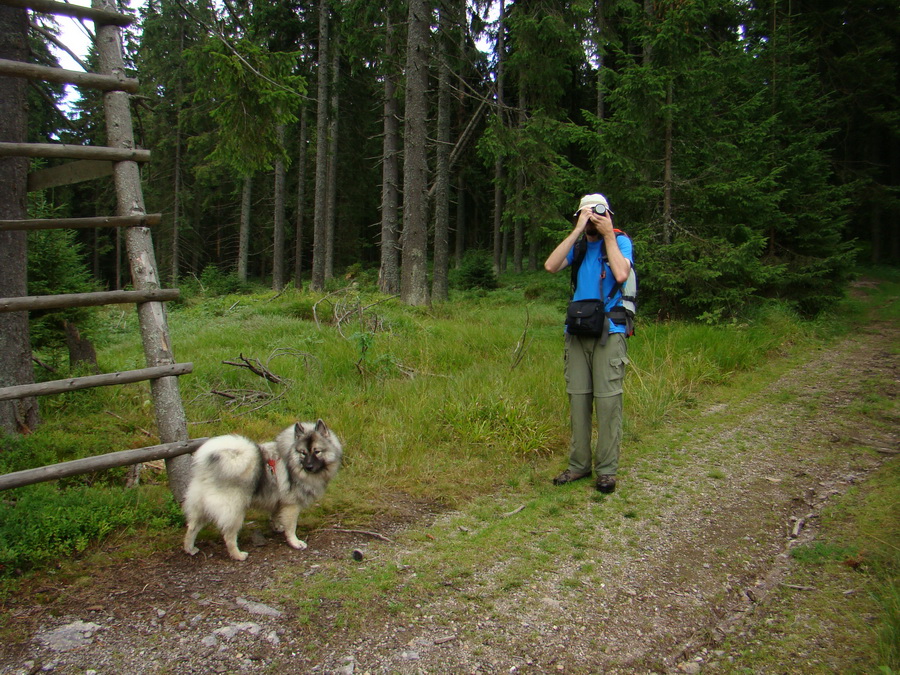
(592, 200)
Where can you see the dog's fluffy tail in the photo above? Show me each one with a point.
(230, 459)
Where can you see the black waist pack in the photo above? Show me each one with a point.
(586, 317)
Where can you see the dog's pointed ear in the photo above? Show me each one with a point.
(298, 430)
(321, 428)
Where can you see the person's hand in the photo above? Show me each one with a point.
(603, 223)
(584, 217)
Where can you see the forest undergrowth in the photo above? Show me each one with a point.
(437, 407)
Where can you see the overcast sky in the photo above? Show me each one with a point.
(76, 37)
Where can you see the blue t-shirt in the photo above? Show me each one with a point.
(595, 278)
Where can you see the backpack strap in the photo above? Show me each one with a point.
(580, 250)
(617, 286)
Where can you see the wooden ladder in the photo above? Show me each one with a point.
(120, 159)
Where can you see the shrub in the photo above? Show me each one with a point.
(56, 266)
(475, 270)
(43, 524)
(213, 282)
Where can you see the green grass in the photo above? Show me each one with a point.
(458, 406)
(852, 576)
(437, 403)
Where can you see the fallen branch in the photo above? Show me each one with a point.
(262, 405)
(242, 396)
(358, 310)
(522, 345)
(322, 299)
(43, 365)
(376, 535)
(257, 368)
(278, 294)
(223, 394)
(798, 587)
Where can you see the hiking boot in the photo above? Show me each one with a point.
(568, 476)
(606, 484)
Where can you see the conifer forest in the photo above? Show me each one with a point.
(748, 147)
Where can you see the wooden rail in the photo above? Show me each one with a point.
(76, 383)
(108, 461)
(64, 301)
(147, 220)
(62, 150)
(61, 76)
(99, 16)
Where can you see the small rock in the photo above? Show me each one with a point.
(71, 636)
(228, 632)
(259, 608)
(357, 554)
(689, 668)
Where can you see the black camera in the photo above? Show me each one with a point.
(599, 209)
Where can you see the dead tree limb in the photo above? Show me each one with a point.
(522, 345)
(257, 368)
(376, 535)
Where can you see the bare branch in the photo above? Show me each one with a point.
(257, 368)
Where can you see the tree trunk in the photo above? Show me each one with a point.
(119, 236)
(519, 225)
(647, 54)
(460, 247)
(320, 214)
(244, 232)
(19, 416)
(504, 250)
(170, 419)
(414, 273)
(176, 200)
(278, 220)
(600, 22)
(81, 350)
(667, 168)
(331, 220)
(498, 165)
(389, 271)
(440, 280)
(301, 200)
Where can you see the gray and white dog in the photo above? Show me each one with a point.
(231, 474)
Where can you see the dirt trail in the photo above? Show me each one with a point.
(657, 594)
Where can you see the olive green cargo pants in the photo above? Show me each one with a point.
(594, 377)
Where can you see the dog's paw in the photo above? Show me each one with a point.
(239, 555)
(277, 527)
(193, 550)
(298, 544)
